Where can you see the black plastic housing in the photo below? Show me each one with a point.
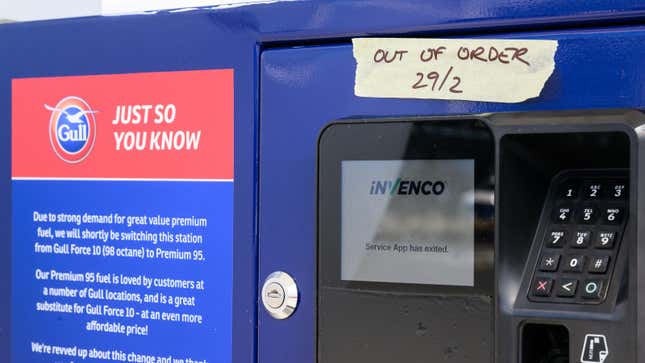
(530, 149)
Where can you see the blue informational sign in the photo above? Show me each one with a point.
(122, 214)
(121, 271)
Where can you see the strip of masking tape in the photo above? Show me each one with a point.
(489, 70)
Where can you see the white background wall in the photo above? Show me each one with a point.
(24, 10)
(39, 9)
(4, 8)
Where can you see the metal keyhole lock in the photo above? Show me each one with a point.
(280, 295)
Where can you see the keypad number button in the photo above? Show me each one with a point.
(599, 265)
(592, 190)
(569, 190)
(618, 190)
(567, 288)
(613, 215)
(555, 239)
(588, 215)
(542, 287)
(574, 263)
(562, 214)
(549, 263)
(592, 289)
(581, 239)
(605, 240)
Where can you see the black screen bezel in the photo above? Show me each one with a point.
(404, 140)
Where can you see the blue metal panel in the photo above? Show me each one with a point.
(316, 85)
(315, 20)
(298, 20)
(164, 42)
(303, 89)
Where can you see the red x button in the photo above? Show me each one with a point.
(542, 287)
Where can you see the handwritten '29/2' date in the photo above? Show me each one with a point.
(437, 81)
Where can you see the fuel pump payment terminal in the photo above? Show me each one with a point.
(496, 238)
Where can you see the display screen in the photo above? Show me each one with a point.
(408, 221)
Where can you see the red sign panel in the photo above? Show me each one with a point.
(165, 125)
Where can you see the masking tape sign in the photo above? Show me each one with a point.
(490, 70)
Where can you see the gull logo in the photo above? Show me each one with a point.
(595, 349)
(72, 129)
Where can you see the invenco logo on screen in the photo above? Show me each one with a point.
(407, 187)
(72, 129)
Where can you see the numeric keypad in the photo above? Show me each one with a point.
(587, 216)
